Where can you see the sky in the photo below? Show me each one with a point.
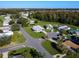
(39, 4)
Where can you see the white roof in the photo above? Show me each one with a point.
(37, 28)
(32, 21)
(24, 15)
(1, 34)
(7, 19)
(64, 27)
(8, 33)
(5, 28)
(77, 32)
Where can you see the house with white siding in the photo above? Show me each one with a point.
(6, 27)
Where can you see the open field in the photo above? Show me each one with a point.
(1, 20)
(32, 33)
(47, 45)
(17, 37)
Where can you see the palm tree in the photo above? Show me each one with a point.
(59, 42)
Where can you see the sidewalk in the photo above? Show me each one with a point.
(5, 54)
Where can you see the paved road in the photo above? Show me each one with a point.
(35, 43)
(30, 42)
(11, 48)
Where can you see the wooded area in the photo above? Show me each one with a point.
(63, 16)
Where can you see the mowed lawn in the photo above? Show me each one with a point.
(25, 52)
(22, 51)
(18, 37)
(47, 45)
(32, 33)
(42, 23)
(0, 55)
(35, 34)
(1, 20)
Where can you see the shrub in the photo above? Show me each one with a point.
(26, 53)
(15, 27)
(11, 22)
(1, 31)
(36, 21)
(23, 22)
(5, 40)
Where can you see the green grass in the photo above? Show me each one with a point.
(55, 30)
(17, 37)
(20, 52)
(42, 23)
(0, 55)
(33, 34)
(47, 30)
(1, 20)
(25, 52)
(47, 45)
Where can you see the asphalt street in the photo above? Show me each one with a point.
(29, 42)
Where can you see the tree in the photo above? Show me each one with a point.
(15, 27)
(35, 54)
(59, 42)
(24, 22)
(1, 31)
(61, 16)
(36, 21)
(5, 40)
(11, 22)
(26, 53)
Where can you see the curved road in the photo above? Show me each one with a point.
(29, 42)
(35, 43)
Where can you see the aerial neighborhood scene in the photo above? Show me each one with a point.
(39, 33)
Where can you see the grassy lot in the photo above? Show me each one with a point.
(53, 23)
(1, 20)
(0, 55)
(25, 52)
(55, 30)
(42, 23)
(17, 37)
(33, 34)
(20, 52)
(47, 45)
(47, 30)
